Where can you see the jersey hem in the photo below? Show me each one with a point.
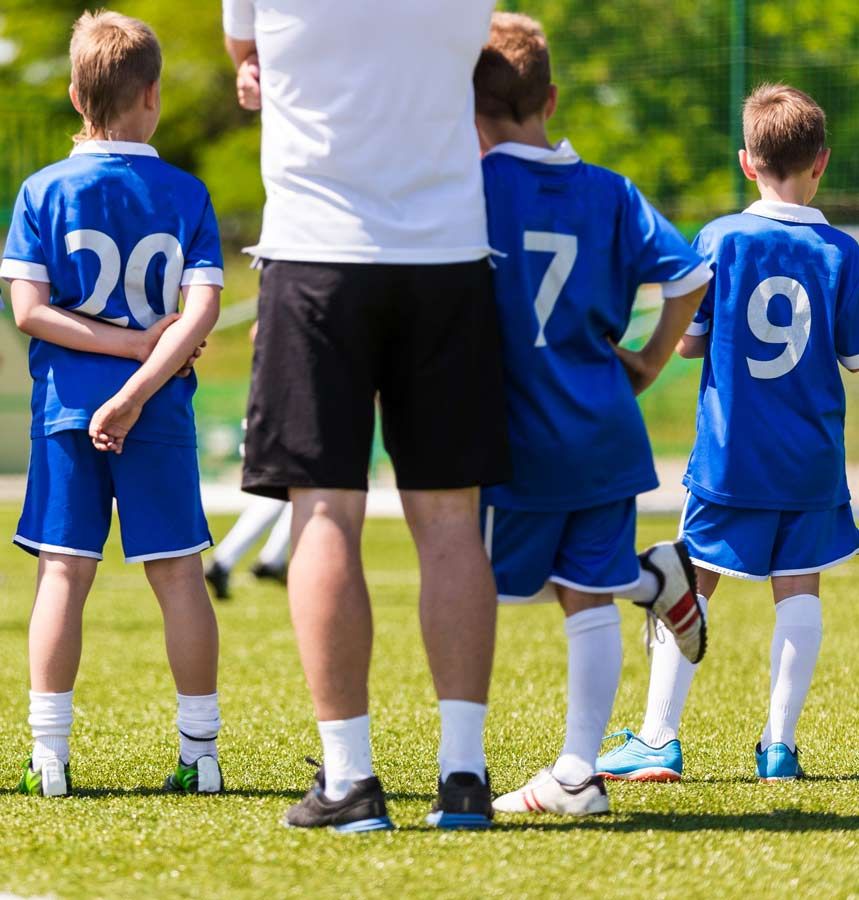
(83, 425)
(734, 501)
(405, 256)
(526, 504)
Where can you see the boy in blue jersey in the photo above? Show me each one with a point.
(781, 312)
(573, 243)
(99, 248)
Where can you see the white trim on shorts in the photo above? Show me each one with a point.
(488, 531)
(55, 548)
(614, 589)
(721, 570)
(815, 569)
(170, 554)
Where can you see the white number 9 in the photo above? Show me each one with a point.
(794, 336)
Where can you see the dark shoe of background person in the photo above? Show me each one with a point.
(264, 570)
(464, 801)
(219, 578)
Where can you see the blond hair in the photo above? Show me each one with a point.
(113, 58)
(514, 72)
(783, 128)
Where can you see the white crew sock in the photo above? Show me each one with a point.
(345, 754)
(670, 679)
(793, 656)
(51, 723)
(249, 526)
(198, 721)
(274, 550)
(461, 748)
(593, 671)
(645, 591)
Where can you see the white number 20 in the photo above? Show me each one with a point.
(138, 262)
(565, 248)
(794, 336)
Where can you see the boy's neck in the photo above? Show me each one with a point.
(128, 135)
(505, 131)
(798, 190)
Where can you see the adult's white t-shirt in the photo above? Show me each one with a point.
(369, 150)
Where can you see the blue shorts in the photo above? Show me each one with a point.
(590, 549)
(70, 491)
(758, 543)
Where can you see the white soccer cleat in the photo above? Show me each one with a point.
(676, 602)
(54, 783)
(545, 794)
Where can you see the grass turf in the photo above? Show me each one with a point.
(719, 833)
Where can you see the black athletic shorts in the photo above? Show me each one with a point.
(334, 335)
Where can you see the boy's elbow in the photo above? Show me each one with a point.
(24, 319)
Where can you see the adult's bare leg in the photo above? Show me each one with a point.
(458, 607)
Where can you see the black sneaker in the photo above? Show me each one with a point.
(362, 809)
(263, 570)
(464, 801)
(219, 578)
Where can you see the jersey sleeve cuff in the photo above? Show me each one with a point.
(211, 275)
(849, 362)
(696, 329)
(10, 269)
(698, 277)
(238, 20)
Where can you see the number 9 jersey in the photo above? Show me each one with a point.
(781, 311)
(116, 232)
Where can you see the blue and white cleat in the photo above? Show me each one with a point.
(777, 763)
(634, 760)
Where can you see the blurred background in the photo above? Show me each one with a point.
(651, 88)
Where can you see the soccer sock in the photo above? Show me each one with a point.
(793, 655)
(249, 526)
(274, 550)
(345, 754)
(593, 672)
(198, 721)
(645, 591)
(51, 723)
(670, 679)
(461, 748)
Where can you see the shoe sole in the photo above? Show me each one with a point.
(689, 571)
(380, 824)
(459, 821)
(654, 774)
(775, 779)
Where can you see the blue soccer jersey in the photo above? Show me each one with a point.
(573, 243)
(782, 309)
(116, 232)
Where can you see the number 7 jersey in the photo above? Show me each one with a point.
(573, 242)
(116, 232)
(781, 311)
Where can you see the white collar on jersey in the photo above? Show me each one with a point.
(119, 148)
(561, 154)
(787, 212)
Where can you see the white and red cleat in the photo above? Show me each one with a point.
(545, 794)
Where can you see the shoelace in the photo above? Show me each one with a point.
(652, 633)
(624, 733)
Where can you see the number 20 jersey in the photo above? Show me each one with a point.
(782, 309)
(116, 231)
(572, 243)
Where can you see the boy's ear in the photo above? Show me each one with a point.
(747, 165)
(151, 95)
(821, 163)
(551, 102)
(73, 96)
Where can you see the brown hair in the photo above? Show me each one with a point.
(113, 59)
(513, 74)
(783, 128)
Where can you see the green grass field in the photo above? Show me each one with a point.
(718, 834)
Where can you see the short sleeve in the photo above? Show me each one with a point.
(700, 324)
(23, 255)
(847, 318)
(203, 261)
(239, 19)
(655, 250)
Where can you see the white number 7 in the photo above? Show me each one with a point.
(566, 249)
